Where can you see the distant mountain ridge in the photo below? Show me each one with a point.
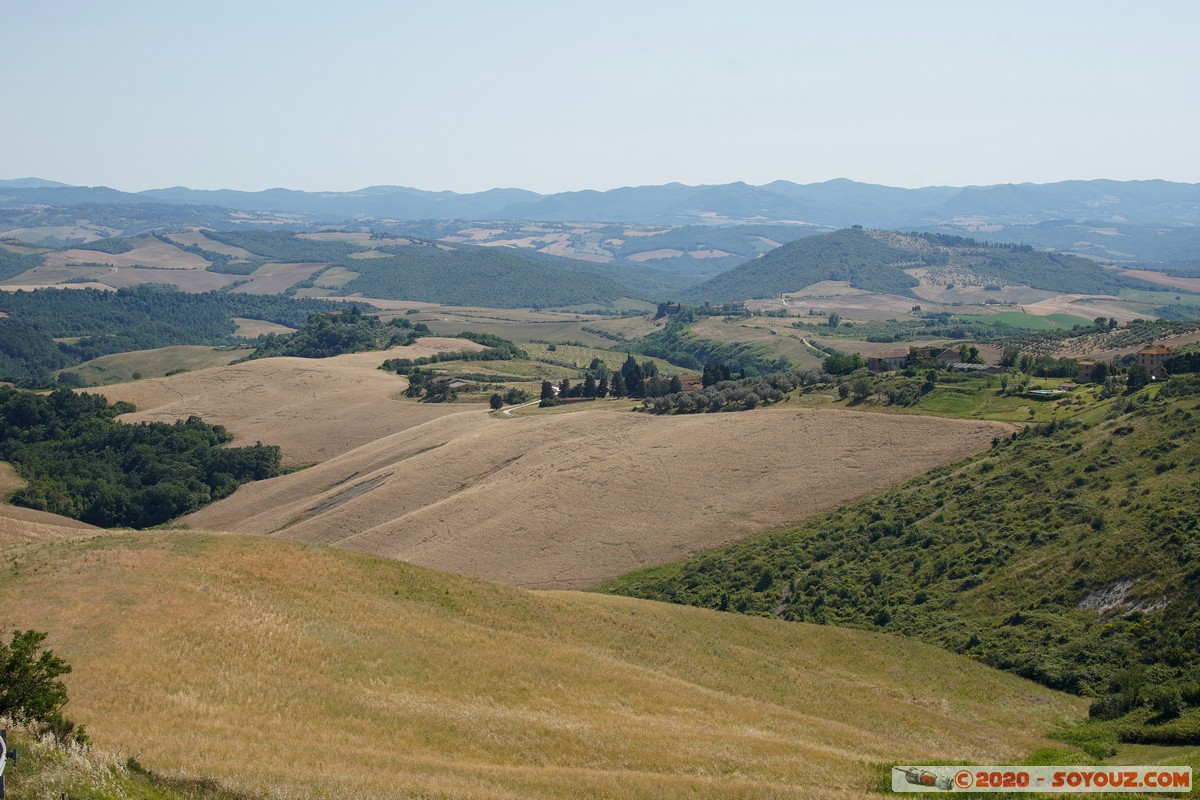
(835, 203)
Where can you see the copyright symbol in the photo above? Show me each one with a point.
(963, 779)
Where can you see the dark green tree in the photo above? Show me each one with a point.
(496, 402)
(1139, 376)
(30, 689)
(632, 372)
(547, 390)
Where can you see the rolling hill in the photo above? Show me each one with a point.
(314, 409)
(475, 276)
(850, 255)
(884, 262)
(277, 669)
(569, 500)
(1067, 554)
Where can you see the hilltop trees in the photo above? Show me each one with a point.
(80, 462)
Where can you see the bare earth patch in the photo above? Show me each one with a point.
(569, 500)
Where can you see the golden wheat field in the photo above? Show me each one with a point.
(293, 671)
(568, 500)
(313, 408)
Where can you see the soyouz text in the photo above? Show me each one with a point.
(1062, 779)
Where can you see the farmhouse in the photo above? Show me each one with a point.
(456, 384)
(1152, 358)
(892, 359)
(1085, 372)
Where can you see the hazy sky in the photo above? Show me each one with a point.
(562, 95)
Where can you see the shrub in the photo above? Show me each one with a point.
(30, 689)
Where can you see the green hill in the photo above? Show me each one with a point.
(1069, 554)
(474, 276)
(875, 262)
(846, 255)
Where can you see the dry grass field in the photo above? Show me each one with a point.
(291, 671)
(46, 275)
(1163, 279)
(276, 278)
(121, 367)
(786, 341)
(313, 408)
(147, 251)
(569, 500)
(250, 328)
(24, 525)
(188, 280)
(360, 237)
(203, 242)
(1089, 307)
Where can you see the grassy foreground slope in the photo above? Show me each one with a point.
(285, 669)
(1069, 555)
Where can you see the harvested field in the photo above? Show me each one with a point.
(312, 408)
(277, 278)
(44, 276)
(156, 363)
(336, 277)
(216, 656)
(188, 280)
(1089, 307)
(24, 525)
(250, 328)
(203, 242)
(827, 289)
(1163, 279)
(569, 500)
(361, 237)
(654, 255)
(147, 252)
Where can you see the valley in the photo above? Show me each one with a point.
(506, 480)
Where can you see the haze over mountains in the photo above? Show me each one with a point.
(835, 203)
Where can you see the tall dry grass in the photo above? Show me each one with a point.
(288, 670)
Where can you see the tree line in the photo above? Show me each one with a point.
(80, 462)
